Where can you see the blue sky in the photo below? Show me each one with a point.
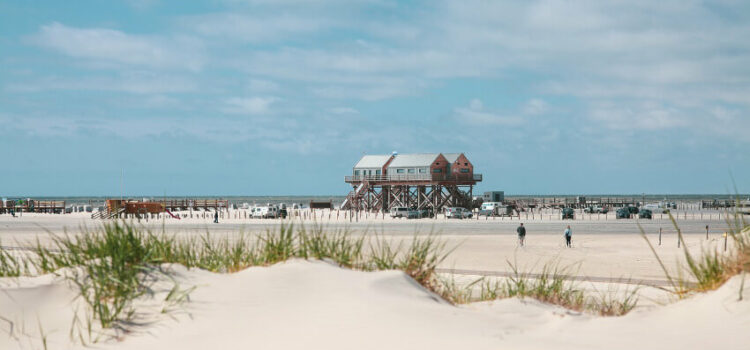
(278, 97)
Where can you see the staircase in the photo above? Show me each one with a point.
(462, 198)
(353, 195)
(105, 214)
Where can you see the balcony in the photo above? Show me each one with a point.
(413, 177)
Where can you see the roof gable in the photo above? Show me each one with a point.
(413, 160)
(452, 157)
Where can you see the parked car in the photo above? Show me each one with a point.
(644, 214)
(413, 214)
(282, 212)
(596, 210)
(568, 213)
(633, 210)
(399, 212)
(623, 213)
(458, 213)
(427, 213)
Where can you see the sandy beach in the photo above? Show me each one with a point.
(302, 304)
(327, 306)
(603, 248)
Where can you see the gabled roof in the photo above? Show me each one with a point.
(413, 160)
(451, 157)
(372, 161)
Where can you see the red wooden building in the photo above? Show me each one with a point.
(421, 181)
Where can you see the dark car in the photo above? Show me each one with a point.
(633, 210)
(568, 213)
(427, 213)
(282, 213)
(623, 213)
(644, 214)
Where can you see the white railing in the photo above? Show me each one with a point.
(414, 177)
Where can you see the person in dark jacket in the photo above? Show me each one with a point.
(216, 217)
(568, 235)
(521, 234)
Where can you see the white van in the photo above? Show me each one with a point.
(492, 209)
(265, 212)
(399, 212)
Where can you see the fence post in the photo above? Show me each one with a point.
(706, 232)
(659, 235)
(725, 241)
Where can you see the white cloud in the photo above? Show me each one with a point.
(254, 28)
(645, 116)
(658, 65)
(535, 106)
(249, 105)
(343, 110)
(369, 92)
(108, 46)
(260, 85)
(130, 82)
(628, 47)
(476, 114)
(142, 4)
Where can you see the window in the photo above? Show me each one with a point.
(422, 170)
(411, 171)
(377, 172)
(464, 170)
(436, 171)
(399, 171)
(356, 172)
(466, 164)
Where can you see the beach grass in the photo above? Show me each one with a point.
(712, 268)
(118, 262)
(554, 286)
(12, 265)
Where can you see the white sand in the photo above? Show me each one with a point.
(314, 305)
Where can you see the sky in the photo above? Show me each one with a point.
(282, 97)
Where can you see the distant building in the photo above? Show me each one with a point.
(416, 166)
(418, 180)
(494, 196)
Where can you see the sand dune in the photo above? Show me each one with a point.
(313, 304)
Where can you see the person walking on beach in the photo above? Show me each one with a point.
(216, 217)
(568, 235)
(521, 234)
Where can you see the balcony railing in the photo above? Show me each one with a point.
(414, 177)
